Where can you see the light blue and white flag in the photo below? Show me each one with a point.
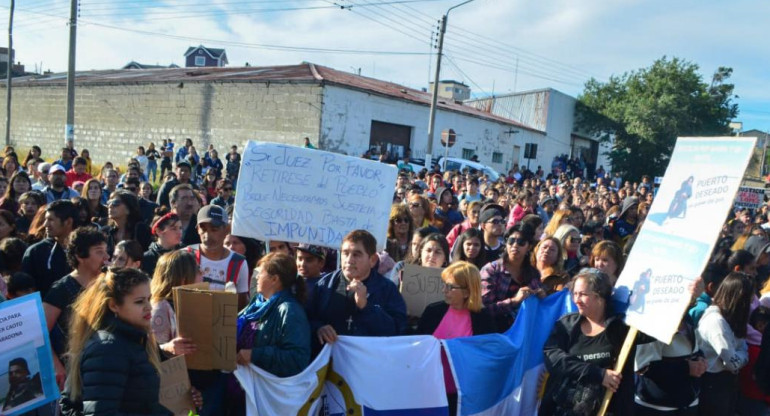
(499, 374)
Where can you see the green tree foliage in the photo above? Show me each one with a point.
(646, 110)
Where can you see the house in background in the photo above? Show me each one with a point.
(18, 68)
(452, 90)
(201, 56)
(137, 65)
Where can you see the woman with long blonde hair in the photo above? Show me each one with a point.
(113, 357)
(173, 269)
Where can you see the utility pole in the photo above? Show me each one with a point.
(434, 98)
(69, 128)
(8, 76)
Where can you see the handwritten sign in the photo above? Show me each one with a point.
(751, 198)
(310, 196)
(175, 385)
(685, 218)
(420, 286)
(25, 349)
(209, 319)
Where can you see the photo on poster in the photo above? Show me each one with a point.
(20, 380)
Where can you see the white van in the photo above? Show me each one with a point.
(453, 163)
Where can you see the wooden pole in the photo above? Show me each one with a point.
(624, 351)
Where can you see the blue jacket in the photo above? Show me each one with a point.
(282, 341)
(384, 314)
(701, 303)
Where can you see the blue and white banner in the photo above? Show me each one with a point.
(501, 374)
(301, 195)
(355, 376)
(268, 395)
(27, 378)
(680, 231)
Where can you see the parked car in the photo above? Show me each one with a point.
(453, 163)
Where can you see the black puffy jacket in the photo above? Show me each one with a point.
(151, 256)
(116, 375)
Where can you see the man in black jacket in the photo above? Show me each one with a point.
(46, 261)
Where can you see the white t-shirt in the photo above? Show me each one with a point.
(216, 271)
(143, 161)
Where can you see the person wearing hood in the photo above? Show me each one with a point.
(545, 208)
(625, 225)
(492, 223)
(167, 229)
(444, 215)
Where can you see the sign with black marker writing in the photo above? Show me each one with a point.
(208, 318)
(302, 195)
(420, 286)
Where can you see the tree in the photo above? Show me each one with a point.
(644, 111)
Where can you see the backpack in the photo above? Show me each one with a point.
(233, 266)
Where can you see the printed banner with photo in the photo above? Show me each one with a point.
(301, 195)
(27, 378)
(680, 231)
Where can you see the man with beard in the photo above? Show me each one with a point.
(22, 387)
(57, 189)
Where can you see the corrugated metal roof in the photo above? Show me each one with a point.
(530, 108)
(302, 73)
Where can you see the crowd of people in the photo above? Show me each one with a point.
(106, 248)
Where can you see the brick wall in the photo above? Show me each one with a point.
(112, 120)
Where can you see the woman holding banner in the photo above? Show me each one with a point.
(721, 335)
(508, 281)
(581, 352)
(459, 315)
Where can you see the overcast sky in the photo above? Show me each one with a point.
(495, 46)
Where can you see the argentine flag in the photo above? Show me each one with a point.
(498, 374)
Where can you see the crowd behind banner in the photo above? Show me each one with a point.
(106, 247)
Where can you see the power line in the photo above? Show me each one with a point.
(464, 75)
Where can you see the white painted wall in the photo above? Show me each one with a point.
(347, 115)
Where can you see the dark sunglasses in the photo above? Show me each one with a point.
(518, 241)
(131, 188)
(415, 205)
(227, 189)
(114, 203)
(574, 239)
(496, 222)
(401, 220)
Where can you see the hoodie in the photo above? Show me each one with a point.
(151, 256)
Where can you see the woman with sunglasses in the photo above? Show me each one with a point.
(569, 238)
(508, 281)
(400, 229)
(460, 314)
(125, 221)
(420, 209)
(224, 196)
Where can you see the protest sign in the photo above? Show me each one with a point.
(25, 352)
(175, 394)
(420, 286)
(208, 318)
(751, 198)
(310, 196)
(677, 238)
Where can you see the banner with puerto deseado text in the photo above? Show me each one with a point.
(27, 378)
(302, 195)
(680, 231)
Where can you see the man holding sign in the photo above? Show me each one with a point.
(356, 300)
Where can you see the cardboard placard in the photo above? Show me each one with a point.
(175, 386)
(209, 319)
(420, 286)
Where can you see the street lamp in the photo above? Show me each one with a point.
(434, 98)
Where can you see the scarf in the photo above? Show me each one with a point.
(257, 308)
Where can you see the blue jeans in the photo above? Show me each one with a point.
(152, 170)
